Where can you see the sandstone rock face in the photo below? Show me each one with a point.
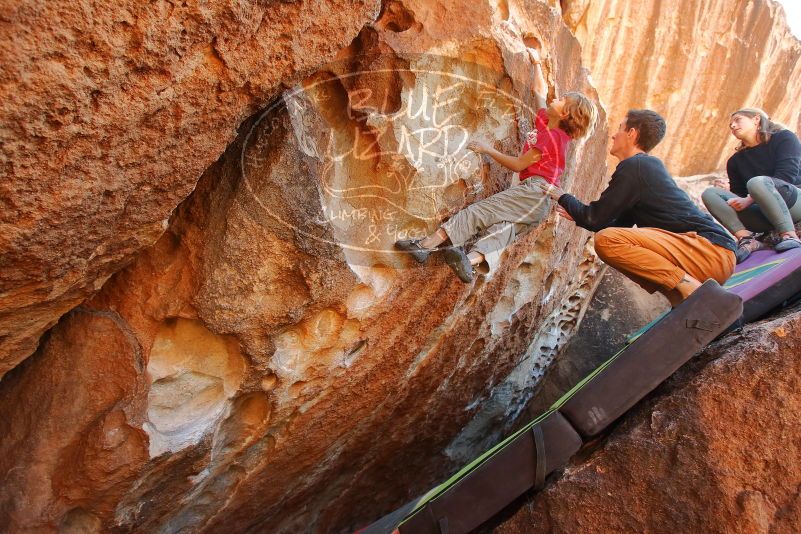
(270, 364)
(110, 113)
(262, 360)
(716, 450)
(694, 62)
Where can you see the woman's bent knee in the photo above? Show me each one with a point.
(759, 183)
(709, 196)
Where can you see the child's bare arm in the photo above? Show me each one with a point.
(514, 163)
(540, 86)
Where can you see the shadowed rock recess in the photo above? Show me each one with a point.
(203, 324)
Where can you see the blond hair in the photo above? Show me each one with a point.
(766, 126)
(581, 115)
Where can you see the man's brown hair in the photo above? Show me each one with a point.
(650, 127)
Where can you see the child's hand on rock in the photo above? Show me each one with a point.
(479, 147)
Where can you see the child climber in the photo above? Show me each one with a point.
(505, 215)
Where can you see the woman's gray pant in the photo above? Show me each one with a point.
(502, 216)
(768, 212)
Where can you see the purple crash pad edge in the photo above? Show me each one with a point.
(787, 263)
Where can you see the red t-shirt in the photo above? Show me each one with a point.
(552, 145)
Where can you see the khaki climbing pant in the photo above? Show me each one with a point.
(657, 259)
(502, 216)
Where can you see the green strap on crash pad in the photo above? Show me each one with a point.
(633, 337)
(469, 468)
(566, 397)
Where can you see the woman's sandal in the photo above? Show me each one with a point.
(745, 246)
(787, 243)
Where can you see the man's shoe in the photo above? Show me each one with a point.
(745, 246)
(459, 262)
(412, 246)
(786, 244)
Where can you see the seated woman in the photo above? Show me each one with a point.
(504, 215)
(763, 175)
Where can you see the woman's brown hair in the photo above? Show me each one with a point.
(766, 126)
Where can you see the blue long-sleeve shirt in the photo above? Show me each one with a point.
(641, 192)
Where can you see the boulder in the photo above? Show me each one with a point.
(110, 113)
(271, 363)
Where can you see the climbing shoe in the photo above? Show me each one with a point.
(786, 244)
(745, 246)
(457, 260)
(412, 246)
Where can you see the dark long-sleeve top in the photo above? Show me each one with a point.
(642, 192)
(779, 158)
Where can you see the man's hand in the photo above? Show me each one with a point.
(739, 204)
(551, 190)
(479, 147)
(562, 212)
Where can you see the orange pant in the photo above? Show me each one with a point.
(657, 259)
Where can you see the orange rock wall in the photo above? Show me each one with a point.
(694, 62)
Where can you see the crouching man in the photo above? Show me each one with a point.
(675, 246)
